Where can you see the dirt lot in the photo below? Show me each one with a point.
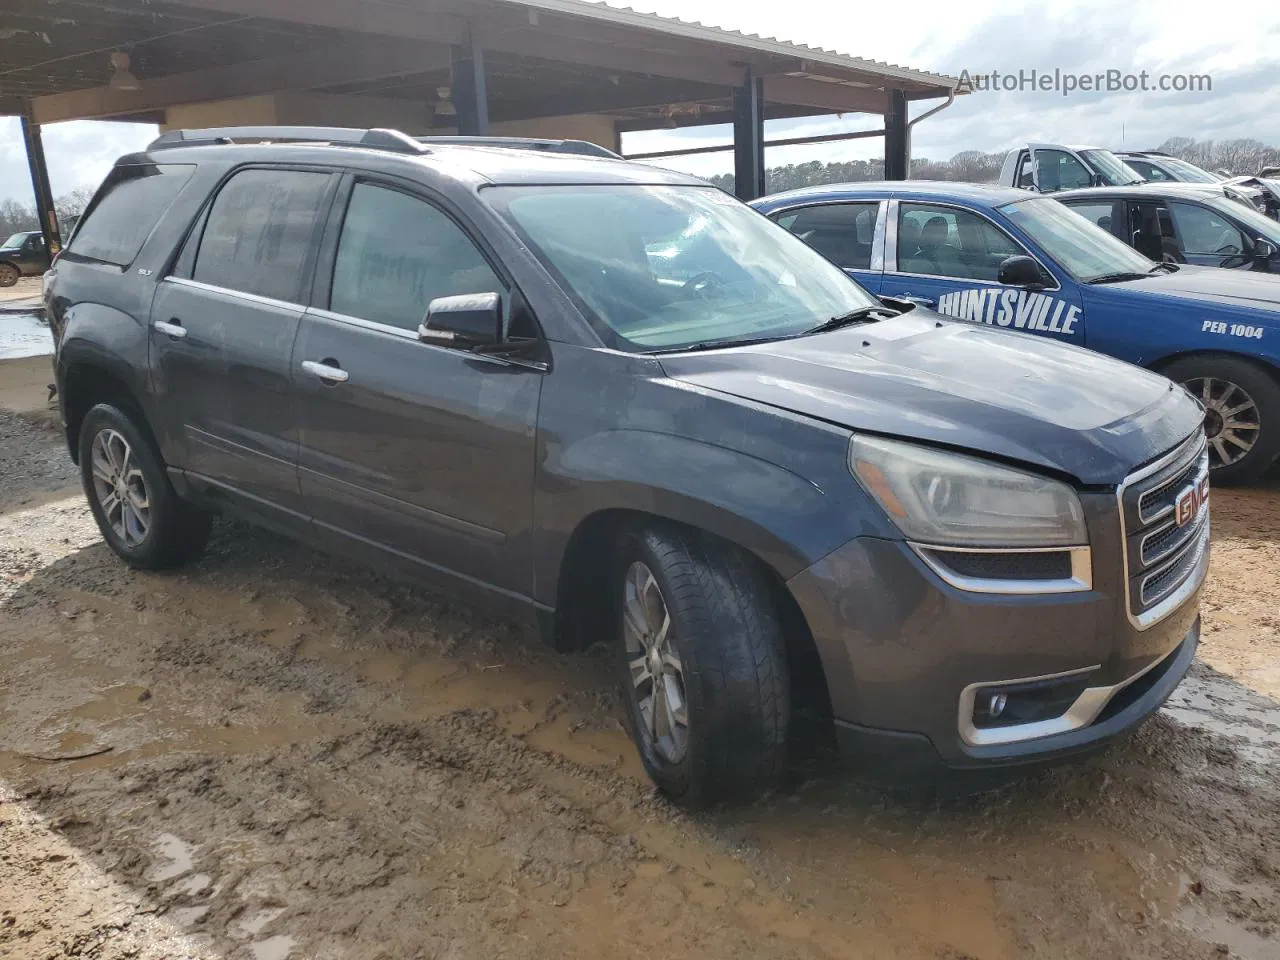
(306, 760)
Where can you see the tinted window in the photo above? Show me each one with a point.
(1059, 170)
(126, 210)
(841, 232)
(1101, 213)
(259, 232)
(1148, 170)
(944, 242)
(1203, 231)
(397, 254)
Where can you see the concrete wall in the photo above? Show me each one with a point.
(319, 109)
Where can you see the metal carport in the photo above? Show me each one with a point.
(557, 68)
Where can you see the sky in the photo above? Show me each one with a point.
(1238, 48)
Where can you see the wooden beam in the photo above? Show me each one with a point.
(439, 21)
(832, 97)
(324, 67)
(546, 46)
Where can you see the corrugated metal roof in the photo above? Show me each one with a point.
(694, 30)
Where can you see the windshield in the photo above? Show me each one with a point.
(1114, 170)
(665, 267)
(1249, 217)
(1079, 246)
(16, 240)
(1188, 172)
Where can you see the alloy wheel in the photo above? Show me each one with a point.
(120, 488)
(1231, 421)
(657, 675)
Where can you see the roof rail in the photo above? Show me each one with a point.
(375, 139)
(582, 148)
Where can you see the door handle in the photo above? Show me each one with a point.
(922, 301)
(172, 328)
(328, 371)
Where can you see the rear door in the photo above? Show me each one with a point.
(849, 234)
(947, 257)
(223, 328)
(410, 450)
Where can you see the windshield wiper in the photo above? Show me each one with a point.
(716, 345)
(861, 315)
(1117, 277)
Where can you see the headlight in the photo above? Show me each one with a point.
(952, 500)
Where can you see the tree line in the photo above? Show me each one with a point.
(16, 216)
(1239, 157)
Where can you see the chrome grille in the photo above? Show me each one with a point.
(1164, 561)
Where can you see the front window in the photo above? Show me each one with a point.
(1188, 172)
(1114, 171)
(1079, 247)
(945, 242)
(1258, 225)
(668, 267)
(1059, 170)
(17, 240)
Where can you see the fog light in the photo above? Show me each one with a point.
(996, 705)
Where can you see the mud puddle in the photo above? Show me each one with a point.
(308, 761)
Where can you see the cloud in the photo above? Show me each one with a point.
(1242, 53)
(79, 153)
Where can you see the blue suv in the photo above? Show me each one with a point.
(1001, 257)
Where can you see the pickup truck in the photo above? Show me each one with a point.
(1021, 262)
(23, 255)
(1049, 167)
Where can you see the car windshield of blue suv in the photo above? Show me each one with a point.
(664, 268)
(1080, 247)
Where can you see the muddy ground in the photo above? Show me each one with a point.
(305, 760)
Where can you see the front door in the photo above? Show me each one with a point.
(412, 450)
(948, 259)
(223, 328)
(850, 235)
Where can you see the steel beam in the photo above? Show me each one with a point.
(748, 139)
(45, 212)
(897, 148)
(469, 93)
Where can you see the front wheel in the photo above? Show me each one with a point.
(1242, 413)
(704, 661)
(9, 274)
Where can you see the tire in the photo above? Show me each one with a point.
(151, 528)
(730, 666)
(9, 274)
(1225, 385)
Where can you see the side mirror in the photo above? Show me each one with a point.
(1020, 271)
(1263, 249)
(465, 321)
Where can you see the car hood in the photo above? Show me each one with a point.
(1242, 288)
(1010, 395)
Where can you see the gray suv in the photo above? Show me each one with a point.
(614, 400)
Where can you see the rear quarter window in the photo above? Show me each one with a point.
(126, 209)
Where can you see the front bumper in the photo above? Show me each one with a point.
(904, 651)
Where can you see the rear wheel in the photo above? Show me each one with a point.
(1242, 413)
(705, 667)
(141, 516)
(9, 274)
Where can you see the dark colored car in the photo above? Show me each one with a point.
(1183, 223)
(617, 401)
(23, 255)
(1008, 259)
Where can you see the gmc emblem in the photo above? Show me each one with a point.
(1191, 500)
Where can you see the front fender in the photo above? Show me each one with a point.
(786, 520)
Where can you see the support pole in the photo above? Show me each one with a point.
(45, 213)
(897, 150)
(748, 139)
(470, 91)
